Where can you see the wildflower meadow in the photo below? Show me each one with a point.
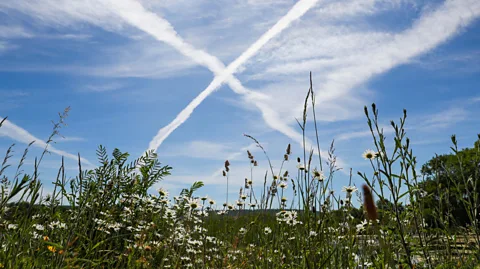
(402, 215)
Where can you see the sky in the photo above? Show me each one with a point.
(189, 78)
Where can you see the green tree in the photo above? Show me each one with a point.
(450, 189)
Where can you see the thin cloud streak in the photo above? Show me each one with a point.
(226, 75)
(136, 15)
(428, 32)
(252, 148)
(343, 63)
(21, 135)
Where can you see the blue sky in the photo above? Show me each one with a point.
(128, 68)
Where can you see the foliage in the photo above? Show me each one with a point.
(451, 187)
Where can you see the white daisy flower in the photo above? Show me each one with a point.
(369, 154)
(193, 203)
(301, 166)
(318, 175)
(38, 227)
(349, 189)
(163, 192)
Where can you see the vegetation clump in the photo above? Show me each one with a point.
(107, 218)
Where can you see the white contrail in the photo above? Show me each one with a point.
(135, 14)
(159, 28)
(19, 134)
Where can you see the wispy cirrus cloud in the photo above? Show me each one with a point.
(13, 94)
(444, 118)
(200, 149)
(70, 139)
(344, 58)
(14, 31)
(106, 87)
(12, 98)
(21, 135)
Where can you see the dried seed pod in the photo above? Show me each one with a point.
(250, 156)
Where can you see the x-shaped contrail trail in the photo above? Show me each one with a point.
(149, 22)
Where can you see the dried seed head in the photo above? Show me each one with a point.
(285, 157)
(227, 163)
(369, 203)
(289, 150)
(285, 174)
(255, 163)
(224, 173)
(298, 159)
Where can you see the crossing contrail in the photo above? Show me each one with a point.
(135, 14)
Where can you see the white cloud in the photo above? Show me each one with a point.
(200, 149)
(80, 37)
(360, 134)
(137, 58)
(10, 99)
(346, 10)
(107, 87)
(19, 134)
(70, 139)
(465, 62)
(342, 59)
(13, 94)
(4, 46)
(65, 13)
(9, 32)
(443, 119)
